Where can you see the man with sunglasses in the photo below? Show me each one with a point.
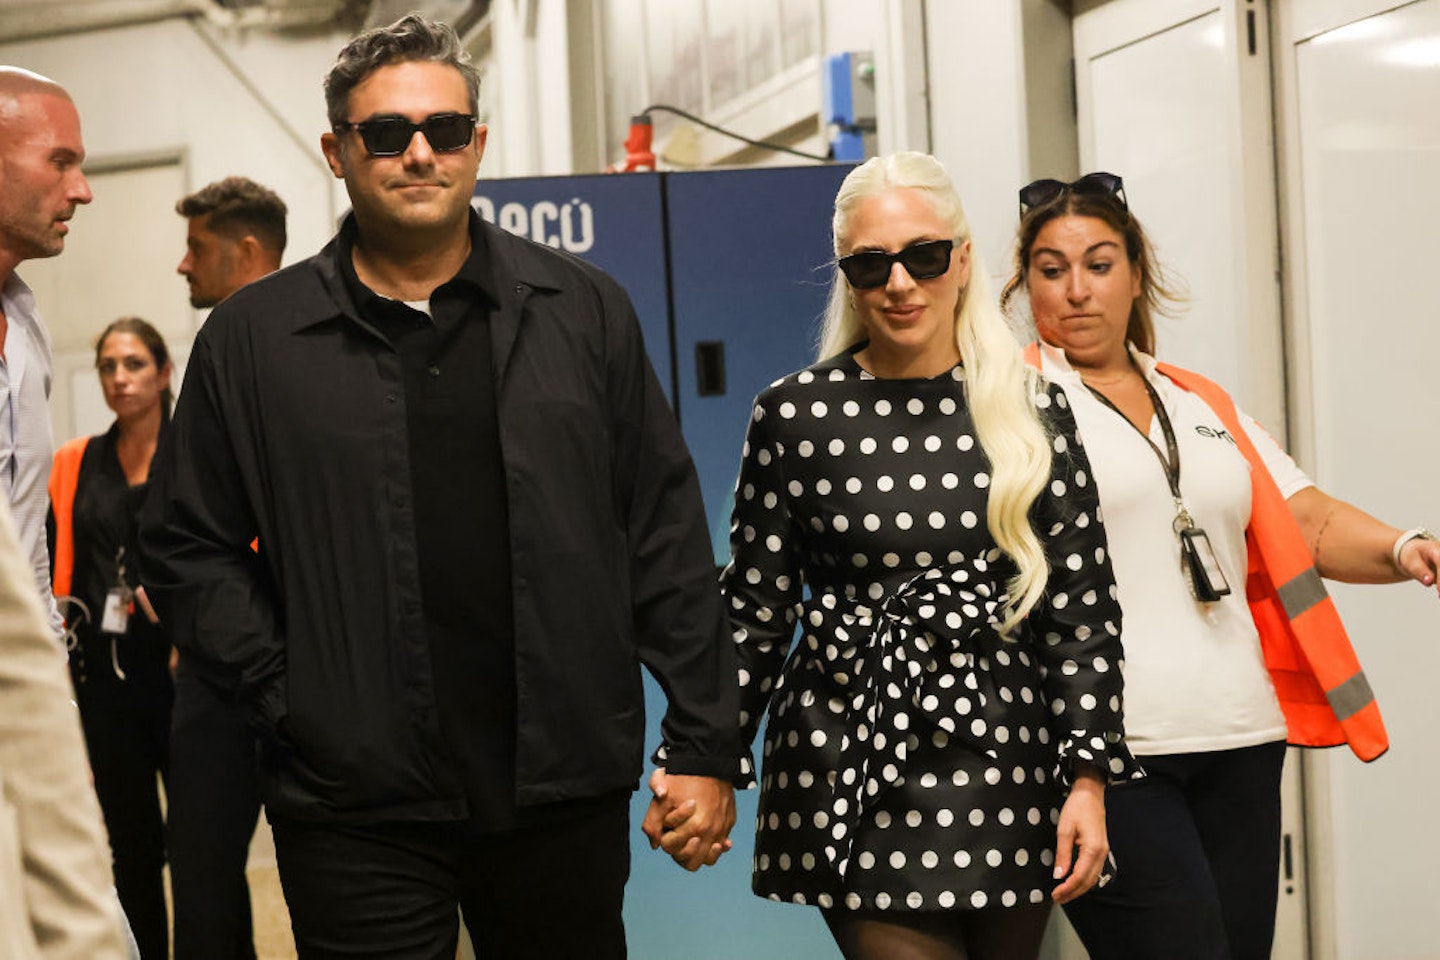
(477, 519)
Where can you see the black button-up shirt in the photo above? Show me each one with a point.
(462, 529)
(295, 426)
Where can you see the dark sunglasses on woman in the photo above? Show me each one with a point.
(1042, 193)
(925, 260)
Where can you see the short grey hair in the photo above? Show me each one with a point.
(411, 38)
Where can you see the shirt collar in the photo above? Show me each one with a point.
(477, 272)
(1057, 367)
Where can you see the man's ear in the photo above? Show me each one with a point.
(248, 257)
(331, 147)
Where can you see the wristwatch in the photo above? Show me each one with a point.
(1414, 533)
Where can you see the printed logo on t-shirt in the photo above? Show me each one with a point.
(1215, 433)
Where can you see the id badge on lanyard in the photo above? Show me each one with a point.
(119, 599)
(1197, 558)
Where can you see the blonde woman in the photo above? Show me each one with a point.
(921, 506)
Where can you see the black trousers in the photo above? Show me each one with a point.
(214, 796)
(125, 734)
(1197, 847)
(547, 892)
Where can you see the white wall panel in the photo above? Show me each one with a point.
(1366, 149)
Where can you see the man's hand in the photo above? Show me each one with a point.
(690, 818)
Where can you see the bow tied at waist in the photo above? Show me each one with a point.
(921, 665)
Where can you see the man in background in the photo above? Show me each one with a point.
(41, 185)
(56, 895)
(235, 234)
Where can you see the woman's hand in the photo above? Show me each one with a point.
(1420, 560)
(1081, 843)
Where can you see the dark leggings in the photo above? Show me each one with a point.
(126, 739)
(1013, 933)
(1197, 846)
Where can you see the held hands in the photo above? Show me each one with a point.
(690, 818)
(1082, 829)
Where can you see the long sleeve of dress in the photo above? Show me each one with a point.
(1076, 625)
(763, 581)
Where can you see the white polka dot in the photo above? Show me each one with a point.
(787, 410)
(818, 409)
(900, 444)
(837, 447)
(867, 445)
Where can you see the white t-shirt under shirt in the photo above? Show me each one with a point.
(1195, 678)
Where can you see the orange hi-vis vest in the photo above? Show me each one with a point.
(1322, 691)
(64, 477)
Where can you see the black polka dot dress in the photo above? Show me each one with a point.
(914, 759)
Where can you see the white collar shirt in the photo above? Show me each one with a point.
(26, 442)
(1195, 677)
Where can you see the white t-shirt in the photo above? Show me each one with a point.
(1195, 678)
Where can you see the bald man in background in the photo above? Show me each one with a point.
(56, 896)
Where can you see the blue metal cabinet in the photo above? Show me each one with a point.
(729, 272)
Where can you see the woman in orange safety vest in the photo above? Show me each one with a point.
(119, 658)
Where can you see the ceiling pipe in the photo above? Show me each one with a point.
(37, 19)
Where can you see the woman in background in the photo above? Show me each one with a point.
(119, 657)
(1218, 541)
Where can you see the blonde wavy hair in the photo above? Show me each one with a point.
(999, 386)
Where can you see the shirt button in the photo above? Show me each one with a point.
(433, 371)
(391, 397)
(519, 288)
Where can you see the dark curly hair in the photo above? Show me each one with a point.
(411, 38)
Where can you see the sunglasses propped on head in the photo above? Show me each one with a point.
(1042, 193)
(390, 136)
(925, 260)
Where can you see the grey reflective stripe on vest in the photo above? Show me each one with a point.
(1303, 591)
(1350, 697)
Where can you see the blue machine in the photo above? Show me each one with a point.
(728, 271)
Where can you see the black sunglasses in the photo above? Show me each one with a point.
(1041, 193)
(925, 260)
(390, 136)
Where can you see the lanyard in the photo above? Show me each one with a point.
(1170, 464)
